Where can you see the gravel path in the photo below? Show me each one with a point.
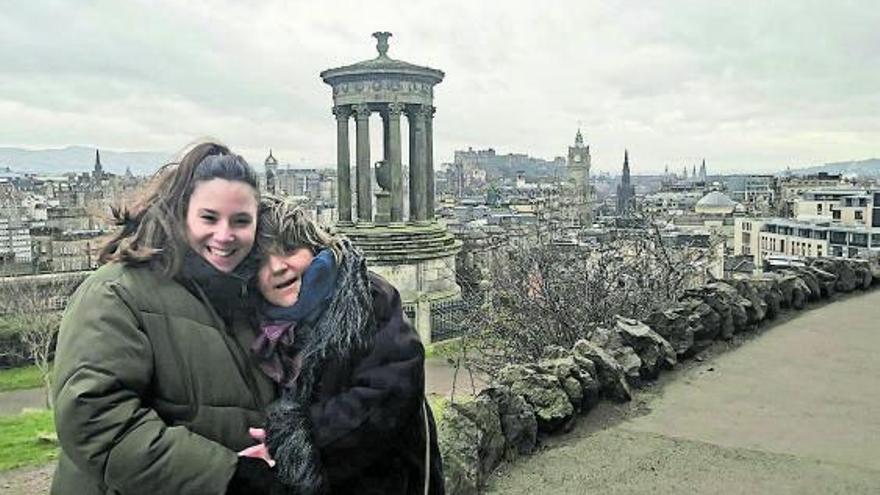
(15, 401)
(26, 481)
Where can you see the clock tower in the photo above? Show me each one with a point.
(579, 179)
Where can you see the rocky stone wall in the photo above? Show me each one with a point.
(523, 403)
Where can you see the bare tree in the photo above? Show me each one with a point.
(547, 294)
(32, 307)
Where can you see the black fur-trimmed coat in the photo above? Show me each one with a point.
(356, 420)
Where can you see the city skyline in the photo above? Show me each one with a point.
(748, 86)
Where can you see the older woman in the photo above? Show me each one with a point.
(352, 417)
(155, 387)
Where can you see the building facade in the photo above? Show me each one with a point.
(15, 240)
(829, 222)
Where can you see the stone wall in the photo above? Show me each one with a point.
(525, 402)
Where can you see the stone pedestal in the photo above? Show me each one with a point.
(418, 260)
(383, 208)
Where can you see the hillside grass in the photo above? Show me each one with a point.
(21, 378)
(27, 439)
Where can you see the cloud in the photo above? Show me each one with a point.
(749, 85)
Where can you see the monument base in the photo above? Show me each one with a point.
(417, 259)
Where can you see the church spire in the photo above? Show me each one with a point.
(625, 191)
(98, 172)
(579, 138)
(271, 160)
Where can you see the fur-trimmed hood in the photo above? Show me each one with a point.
(345, 327)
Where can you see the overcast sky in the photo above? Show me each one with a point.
(749, 85)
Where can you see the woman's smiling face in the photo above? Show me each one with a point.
(221, 222)
(280, 276)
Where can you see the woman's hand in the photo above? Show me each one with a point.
(259, 451)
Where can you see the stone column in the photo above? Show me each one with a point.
(392, 155)
(429, 168)
(364, 170)
(385, 144)
(418, 166)
(410, 117)
(343, 167)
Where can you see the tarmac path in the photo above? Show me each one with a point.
(795, 410)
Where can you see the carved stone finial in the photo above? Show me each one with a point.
(382, 42)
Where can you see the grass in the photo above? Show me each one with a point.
(444, 348)
(20, 378)
(27, 439)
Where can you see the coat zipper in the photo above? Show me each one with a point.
(237, 352)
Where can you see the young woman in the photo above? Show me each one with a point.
(155, 388)
(352, 417)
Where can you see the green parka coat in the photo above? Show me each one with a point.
(154, 393)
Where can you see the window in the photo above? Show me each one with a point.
(859, 215)
(860, 240)
(819, 209)
(835, 214)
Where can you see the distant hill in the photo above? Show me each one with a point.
(861, 168)
(80, 159)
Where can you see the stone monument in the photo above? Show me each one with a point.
(411, 249)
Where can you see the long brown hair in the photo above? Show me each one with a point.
(153, 231)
